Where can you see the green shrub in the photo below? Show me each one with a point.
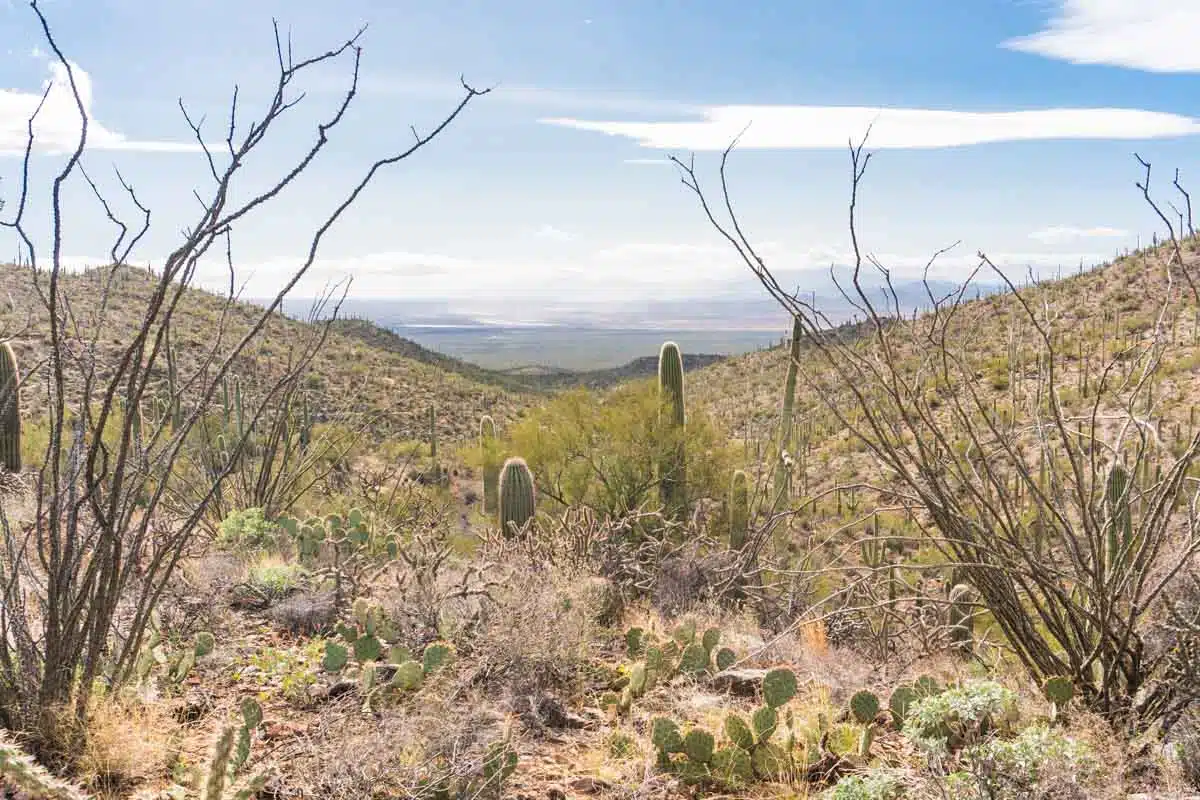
(604, 450)
(961, 716)
(1008, 769)
(877, 784)
(276, 579)
(247, 530)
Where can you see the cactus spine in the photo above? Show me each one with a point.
(672, 475)
(516, 495)
(491, 470)
(783, 473)
(739, 509)
(10, 410)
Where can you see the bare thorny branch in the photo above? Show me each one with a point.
(1019, 508)
(98, 534)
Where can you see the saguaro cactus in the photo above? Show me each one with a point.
(739, 509)
(672, 475)
(10, 410)
(491, 469)
(783, 482)
(516, 495)
(962, 621)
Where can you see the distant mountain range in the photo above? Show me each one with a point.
(745, 310)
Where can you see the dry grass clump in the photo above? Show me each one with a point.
(129, 744)
(390, 754)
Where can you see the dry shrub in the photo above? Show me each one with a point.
(536, 636)
(352, 757)
(128, 743)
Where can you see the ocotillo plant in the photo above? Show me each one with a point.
(739, 509)
(672, 476)
(10, 410)
(782, 473)
(491, 470)
(516, 495)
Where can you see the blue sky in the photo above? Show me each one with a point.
(552, 194)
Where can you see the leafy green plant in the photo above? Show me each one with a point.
(961, 716)
(877, 784)
(604, 452)
(247, 530)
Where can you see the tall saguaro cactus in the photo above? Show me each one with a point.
(672, 475)
(491, 469)
(739, 509)
(783, 476)
(516, 495)
(10, 410)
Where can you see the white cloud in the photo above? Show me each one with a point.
(807, 127)
(1057, 234)
(1151, 35)
(56, 129)
(552, 234)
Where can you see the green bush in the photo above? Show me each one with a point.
(603, 451)
(878, 784)
(247, 530)
(1008, 769)
(961, 716)
(276, 579)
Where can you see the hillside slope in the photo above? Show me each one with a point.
(1094, 315)
(352, 373)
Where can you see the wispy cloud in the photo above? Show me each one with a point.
(1057, 234)
(515, 94)
(56, 129)
(1151, 35)
(824, 127)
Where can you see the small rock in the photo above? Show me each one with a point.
(590, 785)
(739, 682)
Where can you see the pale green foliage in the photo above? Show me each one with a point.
(247, 530)
(1008, 769)
(603, 451)
(878, 784)
(961, 716)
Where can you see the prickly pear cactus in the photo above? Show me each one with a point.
(698, 746)
(694, 659)
(738, 732)
(517, 496)
(336, 657)
(864, 706)
(726, 658)
(436, 656)
(778, 687)
(408, 676)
